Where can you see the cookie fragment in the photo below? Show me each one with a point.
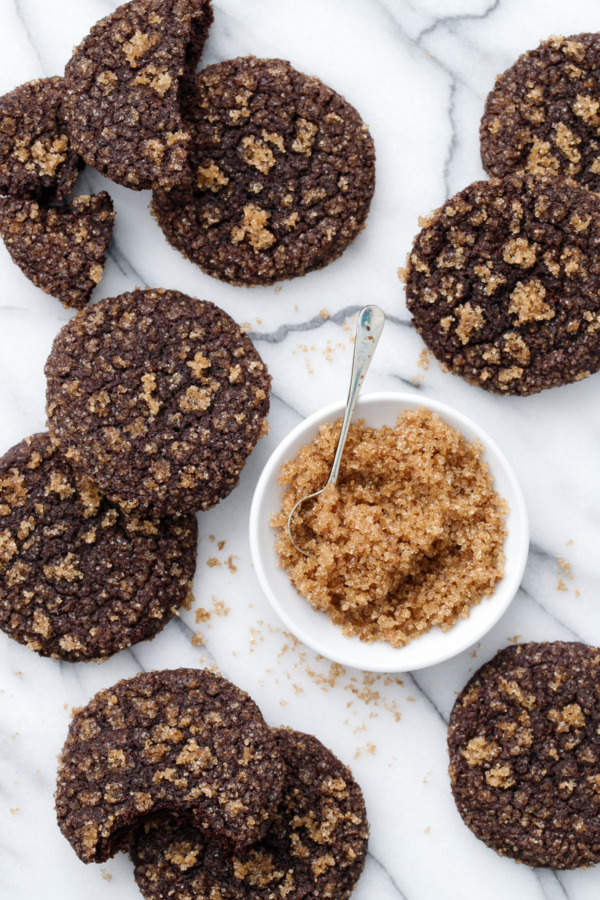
(37, 158)
(158, 398)
(315, 847)
(542, 114)
(503, 283)
(184, 741)
(524, 744)
(79, 580)
(123, 88)
(60, 248)
(284, 173)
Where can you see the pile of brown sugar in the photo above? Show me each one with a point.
(410, 537)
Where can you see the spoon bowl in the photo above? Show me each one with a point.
(368, 331)
(315, 628)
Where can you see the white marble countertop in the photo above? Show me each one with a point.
(418, 71)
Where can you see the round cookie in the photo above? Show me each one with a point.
(184, 741)
(542, 114)
(524, 743)
(315, 846)
(124, 85)
(158, 398)
(503, 283)
(37, 159)
(61, 249)
(78, 580)
(284, 173)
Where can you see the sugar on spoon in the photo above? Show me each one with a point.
(368, 331)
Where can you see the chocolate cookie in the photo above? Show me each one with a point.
(315, 847)
(123, 88)
(524, 743)
(37, 159)
(158, 398)
(184, 741)
(78, 580)
(284, 174)
(60, 248)
(542, 115)
(503, 283)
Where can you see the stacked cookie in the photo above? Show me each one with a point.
(60, 246)
(259, 172)
(284, 172)
(180, 769)
(155, 401)
(503, 281)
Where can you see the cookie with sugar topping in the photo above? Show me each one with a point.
(315, 846)
(524, 744)
(284, 171)
(123, 89)
(61, 249)
(183, 741)
(542, 116)
(78, 579)
(503, 283)
(158, 398)
(37, 157)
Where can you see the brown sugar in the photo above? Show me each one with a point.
(410, 537)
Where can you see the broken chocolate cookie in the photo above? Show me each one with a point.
(123, 89)
(78, 579)
(61, 249)
(542, 114)
(503, 283)
(37, 158)
(184, 741)
(315, 846)
(524, 743)
(284, 172)
(158, 398)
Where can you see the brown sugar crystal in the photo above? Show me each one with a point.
(410, 537)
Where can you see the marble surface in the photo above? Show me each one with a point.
(418, 71)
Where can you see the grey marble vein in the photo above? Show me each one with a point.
(377, 862)
(551, 885)
(451, 21)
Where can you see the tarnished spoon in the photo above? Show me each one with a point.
(368, 331)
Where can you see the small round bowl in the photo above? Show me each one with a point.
(315, 628)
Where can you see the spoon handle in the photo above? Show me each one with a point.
(368, 331)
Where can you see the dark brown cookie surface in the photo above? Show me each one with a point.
(77, 579)
(60, 248)
(503, 283)
(37, 158)
(542, 114)
(158, 398)
(184, 741)
(123, 87)
(284, 174)
(524, 743)
(314, 848)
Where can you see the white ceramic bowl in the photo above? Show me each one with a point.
(315, 628)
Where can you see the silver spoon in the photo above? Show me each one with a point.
(368, 331)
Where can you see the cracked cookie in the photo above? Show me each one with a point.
(284, 172)
(542, 114)
(79, 580)
(158, 398)
(123, 89)
(61, 249)
(37, 158)
(524, 744)
(315, 846)
(503, 283)
(184, 741)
